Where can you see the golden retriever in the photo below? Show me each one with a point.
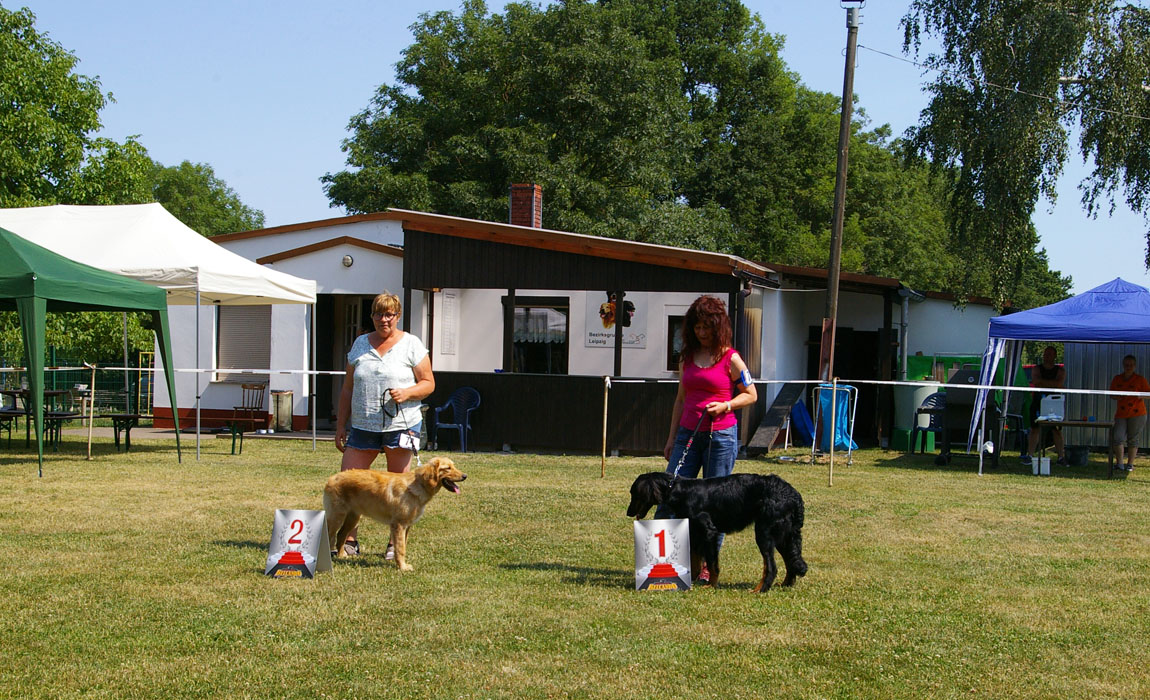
(397, 499)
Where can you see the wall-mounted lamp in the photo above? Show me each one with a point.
(348, 261)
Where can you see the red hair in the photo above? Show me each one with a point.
(711, 312)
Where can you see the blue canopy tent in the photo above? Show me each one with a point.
(1115, 312)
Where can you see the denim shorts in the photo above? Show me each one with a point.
(370, 440)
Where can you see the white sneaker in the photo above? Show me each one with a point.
(390, 553)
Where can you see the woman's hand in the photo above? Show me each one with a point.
(340, 438)
(400, 395)
(718, 408)
(667, 448)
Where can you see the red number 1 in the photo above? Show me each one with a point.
(297, 530)
(661, 535)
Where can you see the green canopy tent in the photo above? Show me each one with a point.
(34, 280)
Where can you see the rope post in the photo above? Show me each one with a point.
(603, 456)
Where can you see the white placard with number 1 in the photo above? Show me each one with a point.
(299, 546)
(663, 555)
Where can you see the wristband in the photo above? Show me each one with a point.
(728, 407)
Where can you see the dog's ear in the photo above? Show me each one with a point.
(443, 467)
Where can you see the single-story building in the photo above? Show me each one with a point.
(527, 316)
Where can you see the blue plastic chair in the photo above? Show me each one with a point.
(461, 403)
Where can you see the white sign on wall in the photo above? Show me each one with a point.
(603, 314)
(450, 322)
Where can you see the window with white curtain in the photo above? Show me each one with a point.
(243, 341)
(540, 335)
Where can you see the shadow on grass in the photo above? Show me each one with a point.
(612, 578)
(583, 575)
(1008, 464)
(241, 544)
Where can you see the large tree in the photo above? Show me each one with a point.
(195, 196)
(1013, 78)
(50, 154)
(669, 121)
(47, 113)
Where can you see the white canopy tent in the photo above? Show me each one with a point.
(145, 242)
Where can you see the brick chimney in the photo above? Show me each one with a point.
(527, 205)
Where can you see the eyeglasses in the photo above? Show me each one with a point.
(386, 316)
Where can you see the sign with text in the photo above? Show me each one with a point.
(603, 313)
(662, 555)
(299, 546)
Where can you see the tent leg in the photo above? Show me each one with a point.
(312, 409)
(981, 436)
(197, 372)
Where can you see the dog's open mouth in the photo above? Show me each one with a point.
(451, 485)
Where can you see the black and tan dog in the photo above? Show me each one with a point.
(729, 504)
(397, 499)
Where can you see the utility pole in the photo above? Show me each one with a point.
(827, 341)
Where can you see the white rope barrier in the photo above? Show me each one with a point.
(876, 382)
(940, 385)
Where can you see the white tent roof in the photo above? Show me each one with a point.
(144, 241)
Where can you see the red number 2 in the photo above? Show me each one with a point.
(297, 530)
(661, 535)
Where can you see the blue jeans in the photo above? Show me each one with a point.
(714, 452)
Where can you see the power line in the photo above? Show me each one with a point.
(987, 83)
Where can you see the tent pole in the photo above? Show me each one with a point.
(981, 438)
(127, 380)
(197, 372)
(312, 409)
(91, 407)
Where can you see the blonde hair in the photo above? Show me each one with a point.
(387, 303)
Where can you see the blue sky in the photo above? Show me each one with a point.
(263, 91)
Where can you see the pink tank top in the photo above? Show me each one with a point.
(701, 386)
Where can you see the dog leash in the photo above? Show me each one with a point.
(690, 440)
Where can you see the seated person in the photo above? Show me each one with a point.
(1047, 375)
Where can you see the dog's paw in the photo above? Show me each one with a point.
(406, 567)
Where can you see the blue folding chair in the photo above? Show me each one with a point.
(461, 403)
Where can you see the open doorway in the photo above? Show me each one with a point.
(856, 357)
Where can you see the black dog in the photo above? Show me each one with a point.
(729, 504)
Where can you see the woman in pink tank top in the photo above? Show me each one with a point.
(713, 383)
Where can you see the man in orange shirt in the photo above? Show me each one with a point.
(1130, 416)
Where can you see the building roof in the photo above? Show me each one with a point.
(544, 239)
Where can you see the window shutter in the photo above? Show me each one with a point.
(244, 341)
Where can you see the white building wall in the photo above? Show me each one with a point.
(371, 272)
(478, 325)
(937, 327)
(785, 322)
(381, 232)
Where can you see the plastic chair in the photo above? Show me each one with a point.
(461, 403)
(250, 412)
(934, 406)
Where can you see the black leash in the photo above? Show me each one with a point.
(683, 457)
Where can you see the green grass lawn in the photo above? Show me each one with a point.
(132, 576)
